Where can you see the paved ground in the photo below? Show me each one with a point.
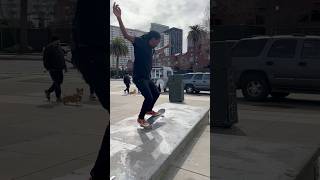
(39, 140)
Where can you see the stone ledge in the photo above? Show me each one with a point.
(140, 154)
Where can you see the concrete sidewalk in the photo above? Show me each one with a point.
(285, 134)
(273, 140)
(28, 57)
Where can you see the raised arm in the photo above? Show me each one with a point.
(161, 50)
(117, 13)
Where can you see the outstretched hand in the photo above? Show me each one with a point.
(116, 10)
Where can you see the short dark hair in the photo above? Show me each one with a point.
(54, 38)
(150, 35)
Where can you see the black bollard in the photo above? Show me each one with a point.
(176, 88)
(224, 110)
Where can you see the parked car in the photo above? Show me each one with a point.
(196, 82)
(277, 66)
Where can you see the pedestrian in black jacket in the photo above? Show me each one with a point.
(54, 62)
(127, 82)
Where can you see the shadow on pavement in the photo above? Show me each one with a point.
(46, 106)
(234, 130)
(286, 103)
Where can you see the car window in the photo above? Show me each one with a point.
(311, 49)
(206, 77)
(197, 77)
(248, 48)
(187, 76)
(283, 48)
(169, 73)
(157, 74)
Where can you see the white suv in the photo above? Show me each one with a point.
(196, 82)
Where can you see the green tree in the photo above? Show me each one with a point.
(196, 32)
(118, 48)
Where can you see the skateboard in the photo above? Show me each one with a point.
(153, 119)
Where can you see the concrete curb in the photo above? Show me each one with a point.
(148, 155)
(198, 128)
(20, 58)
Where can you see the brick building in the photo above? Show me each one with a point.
(185, 61)
(201, 52)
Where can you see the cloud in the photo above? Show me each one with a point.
(137, 14)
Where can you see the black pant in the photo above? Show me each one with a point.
(150, 93)
(57, 78)
(91, 89)
(94, 66)
(127, 88)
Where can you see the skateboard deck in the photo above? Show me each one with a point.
(153, 119)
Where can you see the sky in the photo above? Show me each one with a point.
(138, 14)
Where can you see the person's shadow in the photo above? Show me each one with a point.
(139, 161)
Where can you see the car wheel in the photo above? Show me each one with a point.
(189, 89)
(255, 88)
(279, 94)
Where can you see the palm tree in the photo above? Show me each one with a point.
(118, 48)
(195, 34)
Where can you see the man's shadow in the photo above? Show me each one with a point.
(138, 161)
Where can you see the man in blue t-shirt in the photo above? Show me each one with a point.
(143, 53)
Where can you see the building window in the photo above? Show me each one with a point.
(260, 20)
(315, 16)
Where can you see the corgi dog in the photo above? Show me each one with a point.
(75, 98)
(133, 92)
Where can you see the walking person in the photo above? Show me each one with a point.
(90, 37)
(160, 84)
(127, 82)
(143, 53)
(54, 62)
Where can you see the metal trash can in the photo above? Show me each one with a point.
(176, 88)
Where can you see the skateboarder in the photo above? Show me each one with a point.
(90, 37)
(143, 53)
(54, 62)
(127, 82)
